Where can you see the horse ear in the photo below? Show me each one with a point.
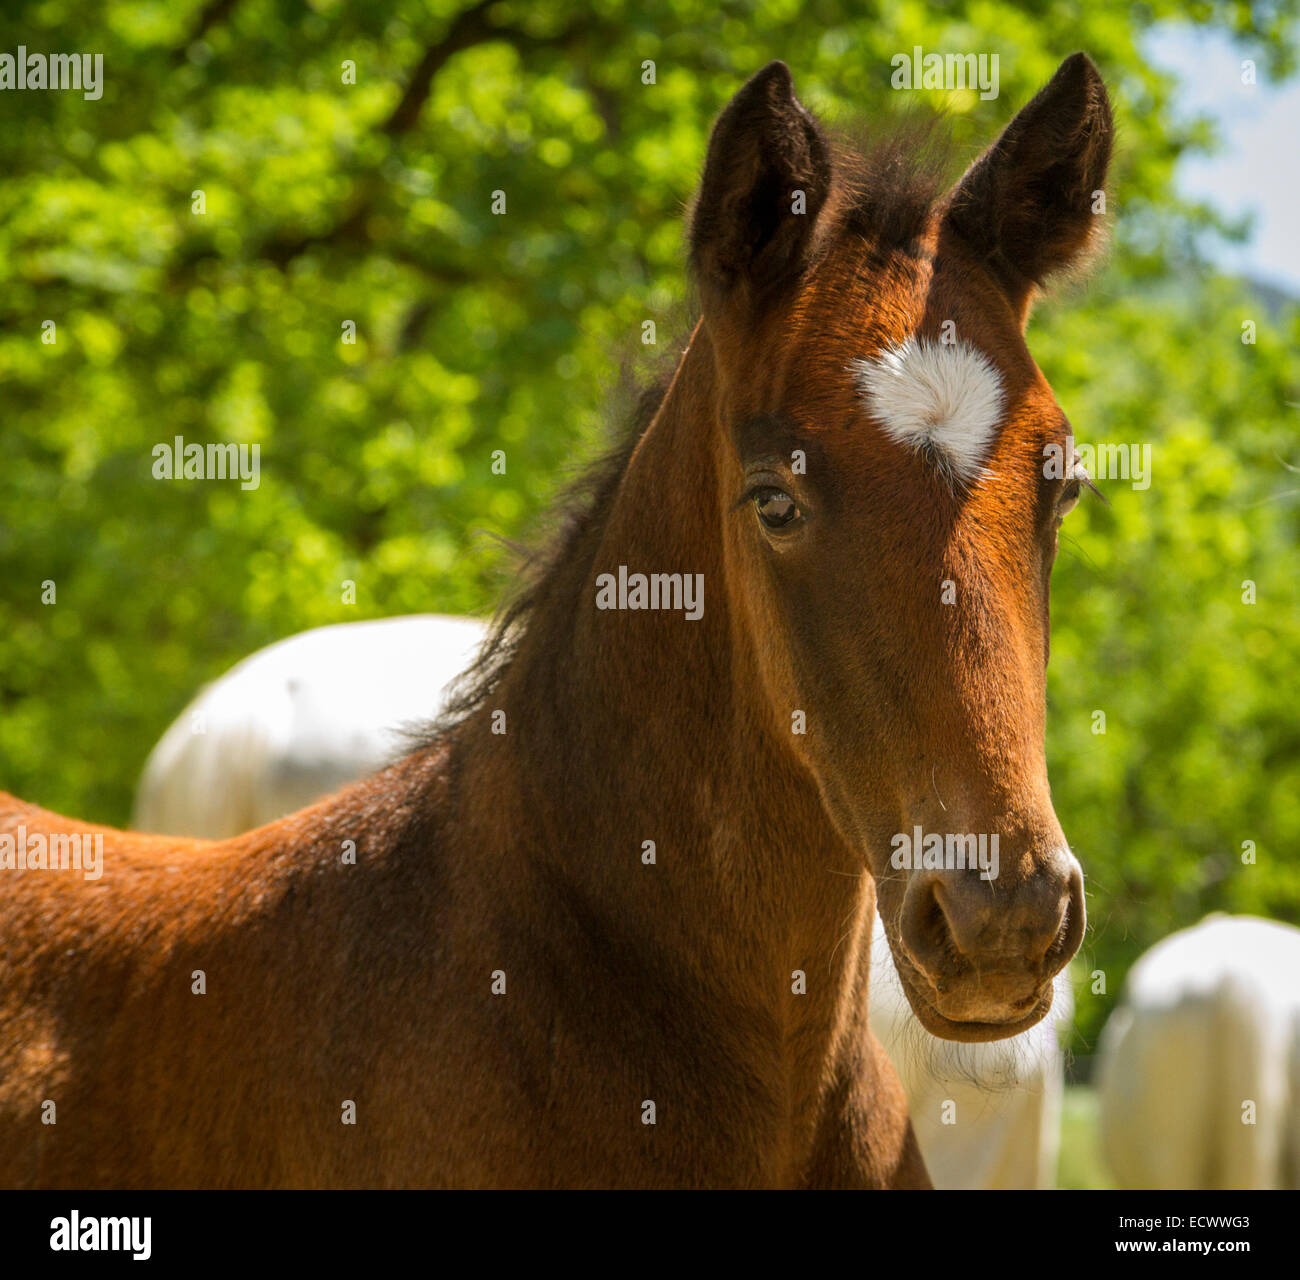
(766, 178)
(1029, 205)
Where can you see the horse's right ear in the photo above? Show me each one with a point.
(766, 178)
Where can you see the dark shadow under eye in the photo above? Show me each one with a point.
(776, 508)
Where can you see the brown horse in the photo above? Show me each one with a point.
(611, 927)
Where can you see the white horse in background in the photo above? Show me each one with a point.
(297, 721)
(1199, 1078)
(987, 1116)
(312, 713)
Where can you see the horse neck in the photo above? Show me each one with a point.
(633, 726)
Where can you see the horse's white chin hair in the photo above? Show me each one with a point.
(944, 399)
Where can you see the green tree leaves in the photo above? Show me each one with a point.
(202, 235)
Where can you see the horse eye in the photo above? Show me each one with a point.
(1069, 499)
(775, 507)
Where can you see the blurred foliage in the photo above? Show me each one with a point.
(1081, 1166)
(1201, 748)
(329, 202)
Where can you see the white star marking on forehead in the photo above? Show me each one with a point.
(943, 399)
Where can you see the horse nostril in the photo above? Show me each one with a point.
(1074, 917)
(953, 922)
(1052, 933)
(925, 928)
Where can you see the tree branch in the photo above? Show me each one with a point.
(469, 28)
(213, 12)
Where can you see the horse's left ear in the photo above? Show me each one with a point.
(1031, 204)
(766, 178)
